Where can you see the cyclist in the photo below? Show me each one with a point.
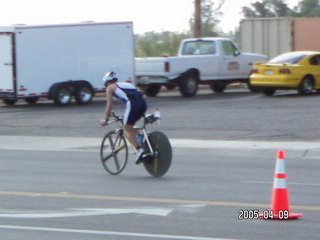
(136, 106)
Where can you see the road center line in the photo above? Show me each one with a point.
(152, 200)
(290, 183)
(110, 233)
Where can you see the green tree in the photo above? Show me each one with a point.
(151, 44)
(307, 8)
(279, 8)
(267, 8)
(210, 13)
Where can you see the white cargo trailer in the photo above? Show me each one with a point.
(60, 62)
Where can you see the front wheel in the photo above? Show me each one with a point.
(114, 152)
(160, 162)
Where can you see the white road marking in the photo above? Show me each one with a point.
(110, 233)
(83, 212)
(93, 144)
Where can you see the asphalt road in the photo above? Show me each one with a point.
(66, 194)
(233, 115)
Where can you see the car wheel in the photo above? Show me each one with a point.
(306, 86)
(268, 91)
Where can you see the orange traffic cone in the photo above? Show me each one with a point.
(280, 209)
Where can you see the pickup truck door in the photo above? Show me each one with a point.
(202, 54)
(231, 61)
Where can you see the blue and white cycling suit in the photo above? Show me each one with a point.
(136, 106)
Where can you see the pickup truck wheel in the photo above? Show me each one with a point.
(218, 87)
(151, 90)
(188, 85)
(83, 93)
(62, 94)
(268, 91)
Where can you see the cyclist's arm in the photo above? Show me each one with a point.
(109, 92)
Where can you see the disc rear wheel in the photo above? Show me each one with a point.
(158, 164)
(114, 152)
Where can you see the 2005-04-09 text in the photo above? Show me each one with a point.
(251, 214)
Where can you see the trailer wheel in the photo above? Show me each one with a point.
(32, 100)
(83, 93)
(151, 90)
(188, 85)
(218, 87)
(9, 102)
(62, 94)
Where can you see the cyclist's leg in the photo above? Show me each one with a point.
(134, 111)
(131, 134)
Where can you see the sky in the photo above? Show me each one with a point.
(147, 15)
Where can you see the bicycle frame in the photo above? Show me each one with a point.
(145, 136)
(143, 129)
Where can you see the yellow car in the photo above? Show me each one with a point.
(293, 70)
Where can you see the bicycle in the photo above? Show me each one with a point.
(114, 148)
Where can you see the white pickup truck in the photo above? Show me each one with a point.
(213, 61)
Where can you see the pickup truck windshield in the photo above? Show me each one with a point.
(199, 48)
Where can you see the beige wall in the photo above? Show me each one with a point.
(306, 34)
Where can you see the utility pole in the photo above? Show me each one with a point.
(197, 18)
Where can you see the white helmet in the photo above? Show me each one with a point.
(109, 76)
